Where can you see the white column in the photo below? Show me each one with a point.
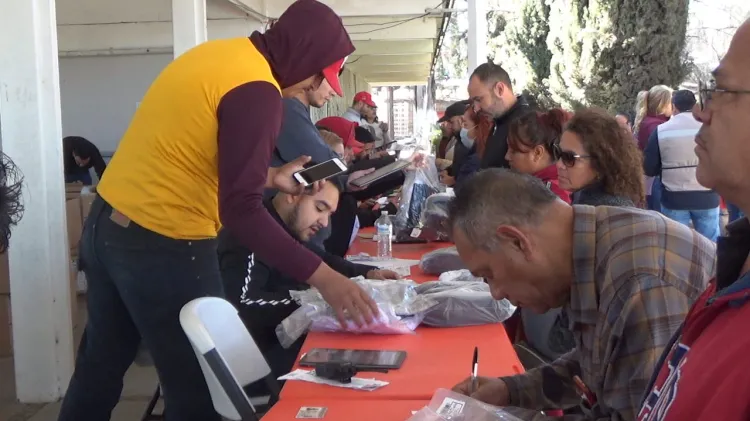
(188, 24)
(39, 260)
(477, 33)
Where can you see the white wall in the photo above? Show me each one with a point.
(99, 94)
(99, 89)
(105, 70)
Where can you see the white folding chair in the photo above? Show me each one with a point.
(228, 356)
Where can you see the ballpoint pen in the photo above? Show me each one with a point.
(474, 371)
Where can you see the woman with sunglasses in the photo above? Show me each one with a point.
(599, 161)
(532, 146)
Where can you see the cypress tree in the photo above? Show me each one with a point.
(605, 51)
(524, 52)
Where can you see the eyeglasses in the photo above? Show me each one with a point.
(707, 90)
(568, 158)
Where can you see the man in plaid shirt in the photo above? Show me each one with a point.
(624, 277)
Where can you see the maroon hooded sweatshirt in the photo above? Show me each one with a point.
(648, 125)
(307, 38)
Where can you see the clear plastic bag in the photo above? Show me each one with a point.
(401, 310)
(442, 260)
(433, 221)
(420, 183)
(450, 406)
(462, 275)
(463, 303)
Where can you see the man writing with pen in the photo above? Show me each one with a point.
(625, 279)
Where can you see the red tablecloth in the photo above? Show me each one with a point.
(347, 410)
(436, 357)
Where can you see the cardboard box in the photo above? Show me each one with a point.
(74, 222)
(73, 190)
(6, 329)
(4, 274)
(73, 278)
(86, 201)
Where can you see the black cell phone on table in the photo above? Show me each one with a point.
(360, 358)
(320, 172)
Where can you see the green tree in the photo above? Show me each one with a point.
(605, 51)
(524, 53)
(453, 57)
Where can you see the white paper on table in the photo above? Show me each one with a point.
(357, 383)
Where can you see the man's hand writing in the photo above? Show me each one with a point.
(490, 390)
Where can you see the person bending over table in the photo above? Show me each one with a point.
(261, 290)
(79, 156)
(196, 157)
(625, 277)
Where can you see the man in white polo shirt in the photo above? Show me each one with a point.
(670, 154)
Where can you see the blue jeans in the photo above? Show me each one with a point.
(653, 201)
(705, 221)
(138, 282)
(734, 212)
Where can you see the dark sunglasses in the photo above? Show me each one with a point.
(568, 158)
(707, 90)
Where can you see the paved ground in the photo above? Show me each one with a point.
(140, 384)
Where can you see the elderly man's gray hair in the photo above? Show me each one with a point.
(495, 197)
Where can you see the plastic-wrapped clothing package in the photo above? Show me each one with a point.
(450, 406)
(463, 275)
(440, 261)
(434, 219)
(401, 310)
(421, 183)
(463, 303)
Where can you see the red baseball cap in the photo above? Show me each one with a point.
(332, 72)
(344, 129)
(366, 98)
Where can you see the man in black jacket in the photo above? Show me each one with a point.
(79, 156)
(261, 292)
(491, 93)
(454, 117)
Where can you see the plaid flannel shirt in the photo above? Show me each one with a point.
(636, 275)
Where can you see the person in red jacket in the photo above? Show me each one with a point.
(532, 141)
(703, 374)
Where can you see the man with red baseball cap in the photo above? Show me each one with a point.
(345, 130)
(362, 104)
(195, 158)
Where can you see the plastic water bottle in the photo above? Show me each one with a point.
(384, 229)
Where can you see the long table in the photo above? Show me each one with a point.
(436, 357)
(347, 410)
(401, 251)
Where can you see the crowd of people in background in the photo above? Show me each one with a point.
(582, 219)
